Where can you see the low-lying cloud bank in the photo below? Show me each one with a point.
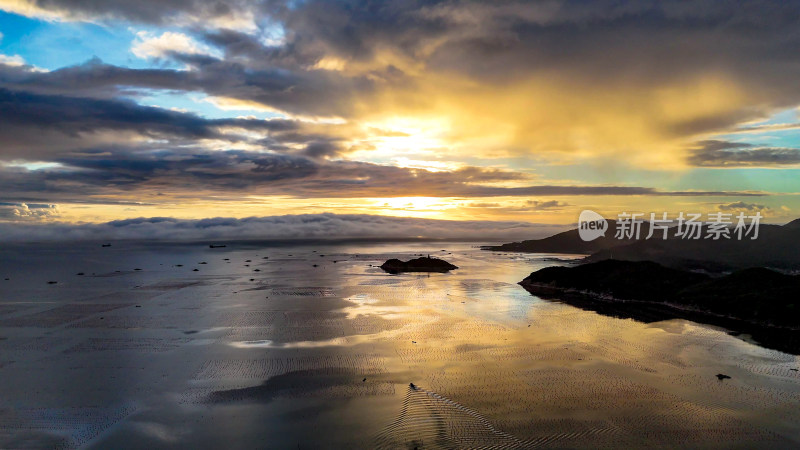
(288, 227)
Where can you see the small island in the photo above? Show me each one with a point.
(424, 264)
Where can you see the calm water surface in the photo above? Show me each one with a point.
(265, 350)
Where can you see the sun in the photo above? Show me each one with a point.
(414, 138)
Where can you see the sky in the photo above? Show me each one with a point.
(505, 112)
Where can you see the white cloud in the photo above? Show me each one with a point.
(236, 104)
(29, 8)
(148, 45)
(19, 61)
(12, 60)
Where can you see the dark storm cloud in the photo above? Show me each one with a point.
(310, 92)
(320, 148)
(642, 44)
(71, 115)
(142, 170)
(629, 49)
(39, 126)
(550, 190)
(610, 40)
(738, 154)
(147, 172)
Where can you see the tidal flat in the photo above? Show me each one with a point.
(314, 346)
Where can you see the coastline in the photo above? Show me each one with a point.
(782, 338)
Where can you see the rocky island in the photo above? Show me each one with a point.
(424, 264)
(758, 301)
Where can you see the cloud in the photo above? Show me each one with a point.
(74, 115)
(737, 154)
(147, 45)
(100, 146)
(27, 212)
(12, 60)
(228, 13)
(545, 205)
(307, 226)
(202, 173)
(742, 206)
(40, 126)
(526, 206)
(300, 92)
(448, 85)
(644, 78)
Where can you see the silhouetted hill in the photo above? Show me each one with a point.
(564, 242)
(776, 246)
(618, 279)
(759, 301)
(757, 294)
(793, 225)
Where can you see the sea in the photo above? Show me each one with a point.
(304, 345)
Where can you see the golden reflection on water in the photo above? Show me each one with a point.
(493, 366)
